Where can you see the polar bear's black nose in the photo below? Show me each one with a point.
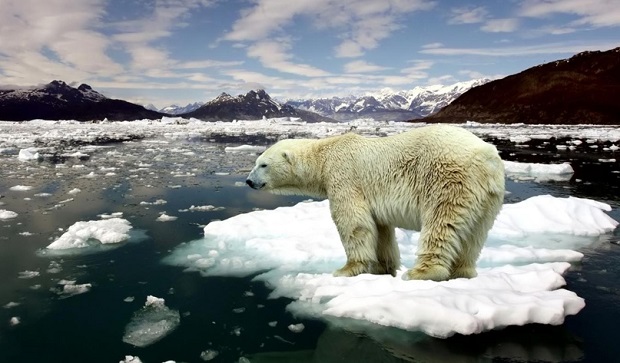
(250, 183)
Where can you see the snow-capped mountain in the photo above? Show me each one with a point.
(59, 101)
(178, 110)
(387, 104)
(251, 106)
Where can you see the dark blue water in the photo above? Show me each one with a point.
(232, 315)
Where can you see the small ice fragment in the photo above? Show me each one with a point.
(11, 304)
(129, 299)
(151, 323)
(83, 234)
(20, 188)
(14, 321)
(157, 202)
(29, 154)
(28, 274)
(74, 191)
(250, 148)
(296, 328)
(130, 359)
(7, 214)
(272, 323)
(166, 218)
(209, 354)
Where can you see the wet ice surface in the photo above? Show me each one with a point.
(151, 323)
(82, 174)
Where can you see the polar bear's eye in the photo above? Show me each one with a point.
(263, 165)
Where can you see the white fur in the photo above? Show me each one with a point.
(440, 180)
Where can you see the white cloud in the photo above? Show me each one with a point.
(53, 39)
(360, 66)
(275, 54)
(417, 70)
(361, 24)
(506, 25)
(432, 45)
(595, 13)
(547, 48)
(467, 15)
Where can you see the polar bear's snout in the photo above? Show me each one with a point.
(253, 185)
(254, 182)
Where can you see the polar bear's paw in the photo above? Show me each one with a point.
(464, 272)
(435, 273)
(355, 268)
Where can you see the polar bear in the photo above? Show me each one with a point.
(440, 180)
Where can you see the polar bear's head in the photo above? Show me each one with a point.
(274, 170)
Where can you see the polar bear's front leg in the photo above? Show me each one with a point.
(358, 234)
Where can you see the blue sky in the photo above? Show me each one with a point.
(181, 51)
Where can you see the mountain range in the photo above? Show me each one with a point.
(251, 106)
(583, 89)
(59, 101)
(388, 104)
(383, 105)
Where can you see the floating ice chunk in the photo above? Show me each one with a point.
(89, 233)
(14, 321)
(74, 191)
(43, 195)
(250, 148)
(20, 188)
(209, 354)
(166, 218)
(202, 208)
(296, 328)
(299, 247)
(111, 215)
(548, 214)
(157, 202)
(28, 274)
(29, 154)
(151, 323)
(70, 288)
(11, 305)
(130, 359)
(538, 172)
(7, 214)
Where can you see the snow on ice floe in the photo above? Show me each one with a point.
(29, 154)
(247, 148)
(538, 172)
(68, 288)
(7, 214)
(151, 323)
(20, 188)
(93, 236)
(295, 250)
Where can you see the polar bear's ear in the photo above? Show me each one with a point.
(287, 156)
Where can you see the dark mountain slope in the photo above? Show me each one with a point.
(584, 89)
(59, 101)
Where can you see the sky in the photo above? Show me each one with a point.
(180, 51)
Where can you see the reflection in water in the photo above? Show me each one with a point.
(521, 344)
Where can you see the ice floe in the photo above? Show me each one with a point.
(295, 249)
(151, 323)
(538, 172)
(7, 214)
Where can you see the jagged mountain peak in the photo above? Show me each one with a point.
(388, 104)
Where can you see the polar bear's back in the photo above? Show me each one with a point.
(409, 172)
